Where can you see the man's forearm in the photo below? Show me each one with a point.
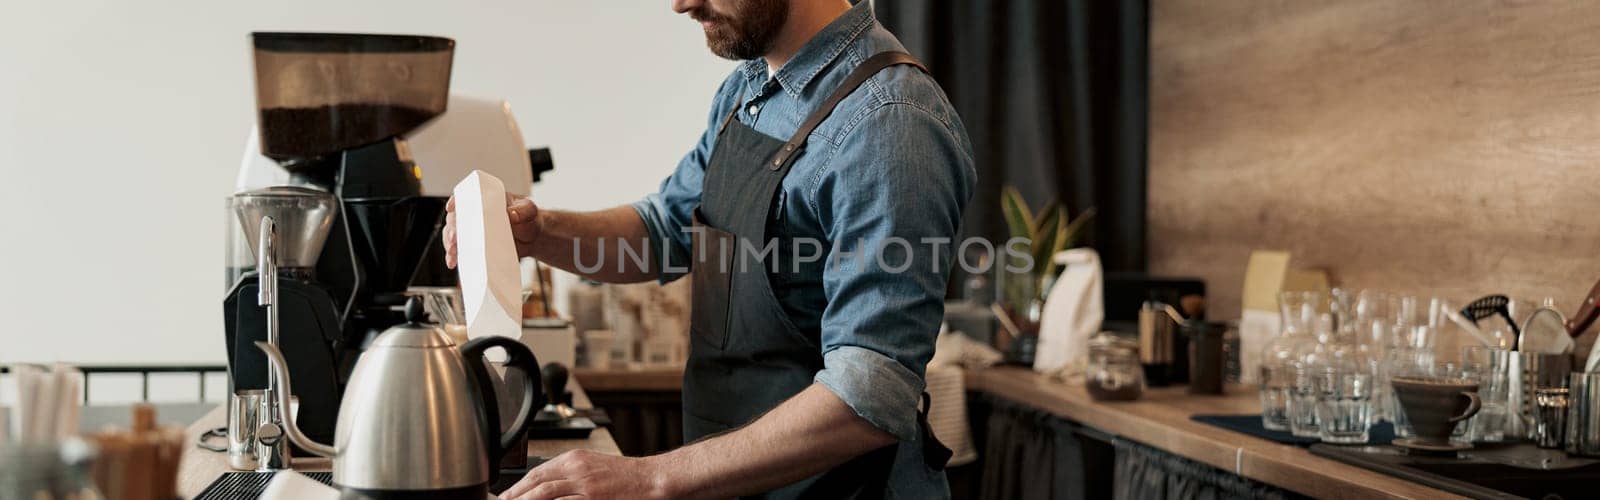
(810, 433)
(558, 230)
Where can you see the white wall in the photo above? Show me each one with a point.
(122, 123)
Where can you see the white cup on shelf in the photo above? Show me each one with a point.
(597, 347)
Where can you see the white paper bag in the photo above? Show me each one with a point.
(1072, 312)
(486, 258)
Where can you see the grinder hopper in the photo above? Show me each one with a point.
(321, 93)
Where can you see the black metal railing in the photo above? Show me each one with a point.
(144, 371)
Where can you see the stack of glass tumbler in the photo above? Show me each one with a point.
(1326, 375)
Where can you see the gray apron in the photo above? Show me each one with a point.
(746, 356)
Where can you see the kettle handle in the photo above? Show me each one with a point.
(517, 356)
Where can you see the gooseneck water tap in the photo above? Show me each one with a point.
(271, 448)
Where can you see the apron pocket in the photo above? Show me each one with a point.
(712, 252)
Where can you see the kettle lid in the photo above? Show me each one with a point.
(415, 332)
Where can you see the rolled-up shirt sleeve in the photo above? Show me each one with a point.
(890, 200)
(670, 209)
(669, 245)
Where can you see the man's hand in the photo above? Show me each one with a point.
(553, 237)
(586, 474)
(524, 226)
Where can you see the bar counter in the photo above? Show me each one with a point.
(200, 467)
(1161, 419)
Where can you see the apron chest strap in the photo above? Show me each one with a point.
(869, 67)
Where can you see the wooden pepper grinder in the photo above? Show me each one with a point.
(141, 464)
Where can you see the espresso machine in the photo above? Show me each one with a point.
(351, 139)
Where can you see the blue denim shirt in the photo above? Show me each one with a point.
(892, 161)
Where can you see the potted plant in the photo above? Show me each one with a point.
(1047, 232)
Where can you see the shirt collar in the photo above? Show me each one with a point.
(819, 52)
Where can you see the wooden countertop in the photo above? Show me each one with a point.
(1161, 419)
(200, 467)
(631, 380)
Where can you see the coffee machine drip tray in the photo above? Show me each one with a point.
(249, 485)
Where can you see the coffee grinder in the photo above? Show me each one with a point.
(332, 112)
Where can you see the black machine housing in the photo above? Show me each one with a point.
(384, 239)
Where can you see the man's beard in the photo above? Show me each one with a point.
(748, 31)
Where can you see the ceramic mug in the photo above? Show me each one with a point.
(1435, 405)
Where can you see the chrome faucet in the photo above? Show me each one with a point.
(272, 450)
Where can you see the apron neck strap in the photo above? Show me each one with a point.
(869, 67)
(726, 119)
(862, 73)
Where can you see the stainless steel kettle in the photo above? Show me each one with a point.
(419, 416)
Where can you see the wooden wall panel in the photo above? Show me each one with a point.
(1443, 147)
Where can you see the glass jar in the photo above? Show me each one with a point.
(1278, 360)
(1114, 372)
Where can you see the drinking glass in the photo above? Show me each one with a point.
(1452, 370)
(1276, 385)
(1491, 367)
(1314, 361)
(1374, 317)
(1414, 327)
(1344, 410)
(1279, 359)
(1410, 355)
(1303, 403)
(1373, 307)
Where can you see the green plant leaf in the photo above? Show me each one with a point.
(1043, 227)
(1052, 223)
(1046, 217)
(1065, 236)
(1015, 209)
(1047, 252)
(1070, 234)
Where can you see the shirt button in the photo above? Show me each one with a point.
(753, 109)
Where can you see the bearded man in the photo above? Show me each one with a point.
(817, 214)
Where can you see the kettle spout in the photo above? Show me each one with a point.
(290, 428)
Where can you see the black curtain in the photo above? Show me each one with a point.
(1028, 454)
(1054, 96)
(1143, 472)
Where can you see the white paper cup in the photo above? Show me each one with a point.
(597, 346)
